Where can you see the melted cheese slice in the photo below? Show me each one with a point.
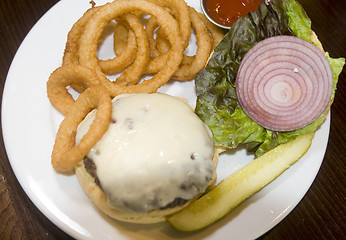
(156, 150)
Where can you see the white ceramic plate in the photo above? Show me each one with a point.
(30, 124)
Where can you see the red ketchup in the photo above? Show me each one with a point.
(227, 12)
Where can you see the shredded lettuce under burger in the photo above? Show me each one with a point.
(217, 104)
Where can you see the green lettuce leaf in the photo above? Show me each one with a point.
(217, 103)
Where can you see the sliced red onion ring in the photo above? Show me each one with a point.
(284, 83)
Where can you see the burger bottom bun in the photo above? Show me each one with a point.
(99, 198)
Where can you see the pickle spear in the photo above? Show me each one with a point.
(240, 185)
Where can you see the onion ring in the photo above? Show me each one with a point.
(66, 154)
(162, 45)
(124, 59)
(133, 73)
(284, 83)
(93, 31)
(68, 75)
(181, 9)
(133, 70)
(204, 45)
(72, 44)
(190, 64)
(109, 66)
(124, 41)
(73, 37)
(150, 27)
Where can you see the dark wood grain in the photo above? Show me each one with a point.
(320, 214)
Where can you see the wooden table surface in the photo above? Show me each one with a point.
(320, 215)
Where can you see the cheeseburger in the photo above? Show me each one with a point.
(155, 157)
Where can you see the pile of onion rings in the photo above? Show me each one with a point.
(150, 37)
